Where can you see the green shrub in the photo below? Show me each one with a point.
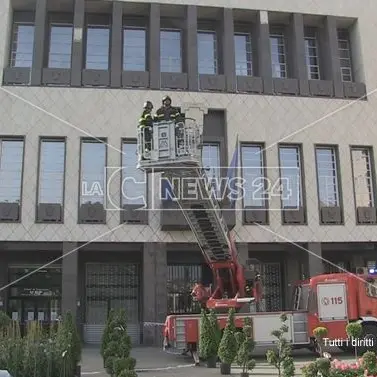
(246, 347)
(281, 357)
(207, 340)
(215, 326)
(320, 334)
(70, 326)
(107, 332)
(120, 365)
(228, 345)
(310, 370)
(323, 366)
(354, 331)
(369, 363)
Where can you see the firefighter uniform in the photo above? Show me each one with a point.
(146, 124)
(167, 112)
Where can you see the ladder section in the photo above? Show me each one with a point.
(203, 215)
(300, 329)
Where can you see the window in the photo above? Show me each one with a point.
(171, 51)
(327, 176)
(134, 49)
(207, 53)
(97, 47)
(11, 166)
(51, 172)
(133, 180)
(252, 161)
(60, 45)
(371, 287)
(22, 45)
(93, 163)
(312, 54)
(243, 54)
(181, 279)
(344, 47)
(211, 163)
(278, 55)
(290, 174)
(362, 177)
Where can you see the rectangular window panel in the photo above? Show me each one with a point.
(211, 163)
(278, 55)
(11, 166)
(60, 46)
(171, 51)
(51, 172)
(22, 45)
(327, 176)
(362, 177)
(243, 54)
(93, 177)
(134, 184)
(312, 55)
(253, 174)
(290, 174)
(134, 49)
(344, 48)
(97, 47)
(207, 53)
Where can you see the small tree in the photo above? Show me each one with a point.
(70, 326)
(207, 342)
(320, 334)
(245, 350)
(215, 326)
(106, 332)
(369, 363)
(118, 348)
(354, 331)
(228, 345)
(281, 357)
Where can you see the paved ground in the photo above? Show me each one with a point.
(153, 362)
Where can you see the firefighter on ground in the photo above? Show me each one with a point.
(146, 124)
(167, 112)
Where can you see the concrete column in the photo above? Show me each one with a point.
(154, 291)
(297, 57)
(116, 45)
(3, 281)
(70, 278)
(293, 273)
(229, 50)
(77, 45)
(154, 47)
(191, 47)
(330, 55)
(243, 253)
(39, 42)
(315, 263)
(264, 51)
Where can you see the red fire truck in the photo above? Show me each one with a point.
(325, 300)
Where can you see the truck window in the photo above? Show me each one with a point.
(371, 287)
(312, 301)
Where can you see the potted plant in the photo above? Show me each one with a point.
(228, 345)
(215, 326)
(207, 341)
(243, 358)
(281, 356)
(354, 331)
(320, 334)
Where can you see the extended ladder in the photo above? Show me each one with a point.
(176, 152)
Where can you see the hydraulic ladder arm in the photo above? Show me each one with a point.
(176, 152)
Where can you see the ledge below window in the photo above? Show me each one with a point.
(95, 77)
(56, 76)
(252, 215)
(135, 79)
(9, 212)
(249, 84)
(49, 213)
(286, 86)
(16, 76)
(174, 80)
(293, 215)
(92, 213)
(331, 215)
(354, 90)
(214, 83)
(366, 215)
(134, 214)
(321, 88)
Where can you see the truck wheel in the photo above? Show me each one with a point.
(368, 339)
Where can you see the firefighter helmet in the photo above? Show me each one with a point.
(148, 105)
(166, 98)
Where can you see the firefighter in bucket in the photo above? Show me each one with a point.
(146, 127)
